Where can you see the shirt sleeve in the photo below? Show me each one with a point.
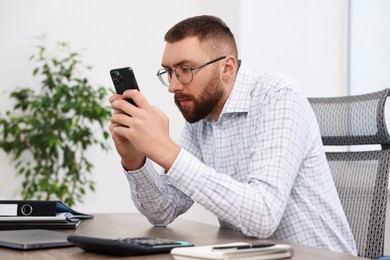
(155, 197)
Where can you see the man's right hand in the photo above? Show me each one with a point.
(146, 129)
(132, 159)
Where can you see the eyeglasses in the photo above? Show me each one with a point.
(184, 73)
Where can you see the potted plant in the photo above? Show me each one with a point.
(48, 131)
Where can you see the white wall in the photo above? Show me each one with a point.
(304, 39)
(369, 50)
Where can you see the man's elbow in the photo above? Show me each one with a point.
(262, 230)
(156, 222)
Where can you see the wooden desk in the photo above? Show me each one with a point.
(135, 225)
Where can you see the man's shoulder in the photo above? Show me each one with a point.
(265, 82)
(274, 85)
(275, 81)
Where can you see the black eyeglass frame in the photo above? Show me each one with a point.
(160, 72)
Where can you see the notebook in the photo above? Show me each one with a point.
(238, 251)
(33, 239)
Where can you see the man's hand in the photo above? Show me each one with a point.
(131, 158)
(141, 131)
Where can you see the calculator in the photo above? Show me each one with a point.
(129, 246)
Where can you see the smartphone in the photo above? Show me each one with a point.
(123, 79)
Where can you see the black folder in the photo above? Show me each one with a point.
(39, 208)
(37, 214)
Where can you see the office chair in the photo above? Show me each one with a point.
(361, 177)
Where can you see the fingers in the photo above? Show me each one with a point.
(120, 120)
(114, 97)
(137, 97)
(120, 105)
(126, 116)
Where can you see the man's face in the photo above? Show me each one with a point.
(203, 96)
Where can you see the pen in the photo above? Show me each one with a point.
(243, 246)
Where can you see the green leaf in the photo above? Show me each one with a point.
(35, 71)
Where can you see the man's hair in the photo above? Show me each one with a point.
(209, 29)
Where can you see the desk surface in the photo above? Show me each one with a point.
(135, 225)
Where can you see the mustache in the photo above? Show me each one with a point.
(179, 96)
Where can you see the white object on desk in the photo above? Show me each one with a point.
(277, 251)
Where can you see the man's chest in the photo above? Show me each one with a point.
(227, 145)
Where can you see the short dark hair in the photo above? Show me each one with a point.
(208, 29)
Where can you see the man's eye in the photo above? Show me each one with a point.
(186, 69)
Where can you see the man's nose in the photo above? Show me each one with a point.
(175, 85)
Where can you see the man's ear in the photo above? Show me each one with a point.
(230, 68)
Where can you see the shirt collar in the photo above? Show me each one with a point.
(239, 98)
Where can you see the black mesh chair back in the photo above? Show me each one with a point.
(361, 177)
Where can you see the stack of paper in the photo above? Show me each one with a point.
(239, 250)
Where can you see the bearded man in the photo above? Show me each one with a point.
(250, 152)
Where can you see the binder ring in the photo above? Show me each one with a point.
(26, 209)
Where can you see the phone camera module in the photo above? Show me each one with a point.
(117, 78)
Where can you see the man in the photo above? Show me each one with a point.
(250, 151)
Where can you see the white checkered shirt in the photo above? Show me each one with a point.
(260, 168)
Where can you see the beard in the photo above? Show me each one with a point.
(208, 100)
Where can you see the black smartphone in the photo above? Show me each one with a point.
(123, 79)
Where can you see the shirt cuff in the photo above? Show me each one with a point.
(143, 177)
(186, 172)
